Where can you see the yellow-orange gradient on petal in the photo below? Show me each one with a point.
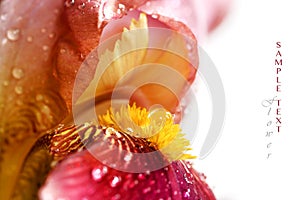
(155, 63)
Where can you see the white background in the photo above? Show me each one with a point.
(243, 49)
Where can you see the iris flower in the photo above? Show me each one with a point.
(43, 45)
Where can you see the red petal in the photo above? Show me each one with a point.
(81, 176)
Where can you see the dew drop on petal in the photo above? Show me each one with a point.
(13, 34)
(62, 50)
(39, 97)
(155, 16)
(130, 130)
(3, 17)
(81, 6)
(69, 3)
(4, 41)
(43, 30)
(45, 48)
(99, 173)
(29, 39)
(146, 190)
(5, 83)
(17, 73)
(116, 197)
(108, 12)
(152, 182)
(51, 35)
(132, 185)
(128, 157)
(186, 193)
(18, 90)
(115, 181)
(141, 176)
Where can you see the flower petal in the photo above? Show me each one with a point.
(82, 176)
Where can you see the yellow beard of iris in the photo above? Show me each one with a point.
(157, 126)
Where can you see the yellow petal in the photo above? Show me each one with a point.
(127, 54)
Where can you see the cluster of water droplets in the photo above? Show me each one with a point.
(98, 173)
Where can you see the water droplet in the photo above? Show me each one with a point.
(99, 173)
(29, 39)
(45, 109)
(43, 30)
(116, 197)
(62, 51)
(133, 184)
(82, 56)
(175, 192)
(4, 41)
(69, 3)
(3, 17)
(18, 73)
(146, 190)
(56, 11)
(152, 182)
(13, 34)
(155, 16)
(39, 97)
(51, 35)
(189, 47)
(45, 48)
(121, 6)
(141, 176)
(116, 181)
(81, 6)
(186, 193)
(5, 83)
(130, 130)
(113, 165)
(94, 7)
(121, 10)
(18, 90)
(108, 12)
(128, 157)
